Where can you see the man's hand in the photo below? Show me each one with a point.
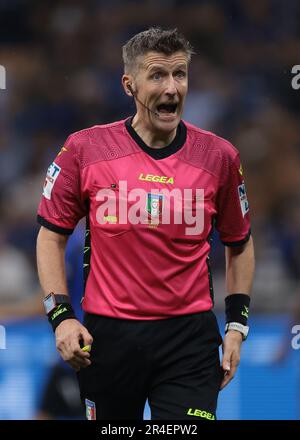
(68, 334)
(231, 355)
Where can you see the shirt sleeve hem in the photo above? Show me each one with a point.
(237, 243)
(52, 227)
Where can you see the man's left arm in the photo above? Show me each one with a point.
(239, 278)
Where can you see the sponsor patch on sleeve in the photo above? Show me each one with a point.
(243, 199)
(90, 408)
(52, 175)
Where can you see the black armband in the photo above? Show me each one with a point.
(237, 308)
(60, 313)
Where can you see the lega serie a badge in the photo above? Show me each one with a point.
(243, 199)
(52, 175)
(154, 207)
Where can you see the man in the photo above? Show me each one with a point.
(151, 187)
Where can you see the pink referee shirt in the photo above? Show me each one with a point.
(150, 214)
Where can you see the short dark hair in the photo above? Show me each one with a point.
(154, 39)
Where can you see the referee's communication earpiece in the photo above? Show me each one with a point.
(134, 93)
(129, 88)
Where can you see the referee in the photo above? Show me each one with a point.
(152, 188)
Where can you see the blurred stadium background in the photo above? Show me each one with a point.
(63, 65)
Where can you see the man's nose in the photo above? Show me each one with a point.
(171, 87)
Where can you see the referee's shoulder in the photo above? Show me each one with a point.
(211, 140)
(92, 135)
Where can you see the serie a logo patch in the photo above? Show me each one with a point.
(90, 408)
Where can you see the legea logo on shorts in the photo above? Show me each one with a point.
(160, 206)
(200, 413)
(2, 338)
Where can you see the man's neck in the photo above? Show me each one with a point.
(152, 139)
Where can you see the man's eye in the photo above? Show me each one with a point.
(157, 75)
(180, 74)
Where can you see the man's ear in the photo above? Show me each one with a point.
(127, 84)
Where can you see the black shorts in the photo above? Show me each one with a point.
(173, 362)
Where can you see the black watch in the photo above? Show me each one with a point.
(53, 300)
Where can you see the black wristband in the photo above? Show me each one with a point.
(60, 313)
(237, 308)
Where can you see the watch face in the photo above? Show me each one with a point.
(49, 303)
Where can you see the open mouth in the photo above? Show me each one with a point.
(167, 108)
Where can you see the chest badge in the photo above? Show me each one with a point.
(154, 207)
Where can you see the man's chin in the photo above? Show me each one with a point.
(166, 122)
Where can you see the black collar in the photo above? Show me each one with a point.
(159, 153)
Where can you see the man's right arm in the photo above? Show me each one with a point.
(51, 269)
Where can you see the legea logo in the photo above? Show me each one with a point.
(2, 338)
(2, 78)
(160, 206)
